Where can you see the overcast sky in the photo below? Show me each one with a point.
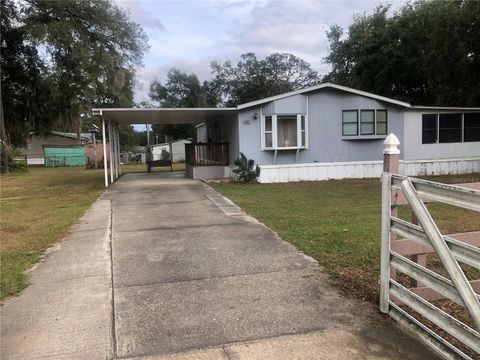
(188, 35)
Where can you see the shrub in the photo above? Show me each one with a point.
(244, 170)
(14, 163)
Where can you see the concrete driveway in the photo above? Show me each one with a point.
(162, 267)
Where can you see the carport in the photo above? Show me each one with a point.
(197, 154)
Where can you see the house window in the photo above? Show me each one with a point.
(381, 124)
(450, 128)
(284, 132)
(268, 132)
(372, 122)
(349, 122)
(471, 127)
(367, 122)
(303, 131)
(429, 128)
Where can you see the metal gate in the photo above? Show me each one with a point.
(399, 300)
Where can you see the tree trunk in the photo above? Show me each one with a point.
(78, 127)
(3, 135)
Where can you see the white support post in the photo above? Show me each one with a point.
(117, 148)
(111, 150)
(119, 152)
(114, 151)
(104, 151)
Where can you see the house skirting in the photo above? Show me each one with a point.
(35, 160)
(364, 169)
(208, 172)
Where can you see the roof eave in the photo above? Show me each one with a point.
(322, 86)
(422, 107)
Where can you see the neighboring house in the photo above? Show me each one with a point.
(178, 149)
(55, 147)
(158, 149)
(326, 131)
(175, 149)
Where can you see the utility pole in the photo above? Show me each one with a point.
(148, 157)
(2, 122)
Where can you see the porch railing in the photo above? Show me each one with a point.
(206, 154)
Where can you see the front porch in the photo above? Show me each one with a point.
(207, 160)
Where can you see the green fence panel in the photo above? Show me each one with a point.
(64, 156)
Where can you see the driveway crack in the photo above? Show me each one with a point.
(225, 351)
(113, 336)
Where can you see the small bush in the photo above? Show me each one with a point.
(245, 171)
(17, 166)
(14, 164)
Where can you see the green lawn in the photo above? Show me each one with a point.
(37, 208)
(337, 222)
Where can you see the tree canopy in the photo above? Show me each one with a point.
(427, 53)
(26, 87)
(180, 90)
(89, 52)
(253, 79)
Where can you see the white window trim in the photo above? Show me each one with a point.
(274, 133)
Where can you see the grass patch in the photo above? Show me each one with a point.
(338, 223)
(37, 208)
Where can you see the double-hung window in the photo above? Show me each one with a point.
(284, 132)
(364, 122)
(349, 122)
(268, 132)
(381, 122)
(367, 122)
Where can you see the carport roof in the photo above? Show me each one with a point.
(164, 115)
